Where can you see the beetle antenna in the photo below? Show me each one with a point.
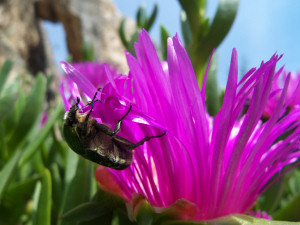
(118, 125)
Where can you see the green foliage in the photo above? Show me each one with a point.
(200, 36)
(163, 40)
(37, 171)
(143, 21)
(213, 102)
(88, 53)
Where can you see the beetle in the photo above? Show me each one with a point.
(97, 142)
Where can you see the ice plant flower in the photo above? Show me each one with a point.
(221, 164)
(292, 99)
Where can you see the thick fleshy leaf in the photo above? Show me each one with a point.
(122, 33)
(7, 102)
(34, 144)
(16, 200)
(290, 211)
(4, 72)
(57, 189)
(88, 53)
(17, 193)
(86, 211)
(30, 113)
(121, 218)
(221, 24)
(294, 181)
(77, 182)
(163, 41)
(206, 37)
(271, 199)
(141, 16)
(152, 18)
(7, 171)
(212, 92)
(103, 203)
(12, 119)
(42, 201)
(185, 29)
(195, 11)
(106, 219)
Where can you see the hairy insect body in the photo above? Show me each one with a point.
(97, 142)
(111, 150)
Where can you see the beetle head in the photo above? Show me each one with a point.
(70, 116)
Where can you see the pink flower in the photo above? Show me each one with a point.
(260, 214)
(292, 99)
(220, 164)
(96, 75)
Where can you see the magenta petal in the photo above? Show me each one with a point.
(84, 84)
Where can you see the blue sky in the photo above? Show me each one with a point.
(261, 28)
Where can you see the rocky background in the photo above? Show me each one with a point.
(23, 39)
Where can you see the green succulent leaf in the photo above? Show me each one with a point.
(212, 91)
(103, 204)
(215, 33)
(7, 171)
(30, 113)
(294, 182)
(141, 16)
(163, 41)
(7, 103)
(200, 37)
(18, 193)
(271, 198)
(88, 51)
(185, 29)
(134, 38)
(194, 12)
(121, 218)
(152, 18)
(78, 182)
(57, 187)
(290, 211)
(222, 22)
(103, 220)
(33, 146)
(85, 212)
(42, 201)
(122, 33)
(4, 72)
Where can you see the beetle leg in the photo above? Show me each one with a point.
(78, 100)
(92, 105)
(147, 139)
(118, 125)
